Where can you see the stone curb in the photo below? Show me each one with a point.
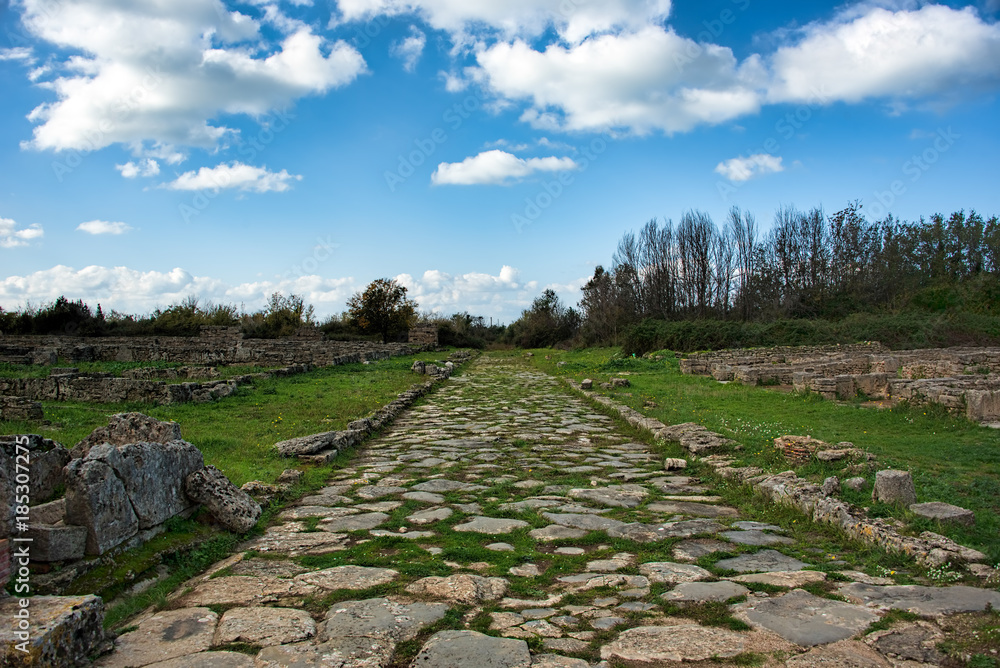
(324, 447)
(929, 549)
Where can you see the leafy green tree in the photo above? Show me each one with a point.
(383, 308)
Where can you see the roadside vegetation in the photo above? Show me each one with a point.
(951, 459)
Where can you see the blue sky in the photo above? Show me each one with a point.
(478, 151)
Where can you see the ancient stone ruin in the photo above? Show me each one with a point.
(121, 484)
(964, 380)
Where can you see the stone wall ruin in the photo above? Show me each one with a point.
(963, 380)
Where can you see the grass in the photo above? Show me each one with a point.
(952, 459)
(236, 433)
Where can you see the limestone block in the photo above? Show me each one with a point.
(65, 631)
(56, 543)
(96, 499)
(894, 487)
(231, 507)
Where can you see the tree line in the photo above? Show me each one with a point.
(807, 266)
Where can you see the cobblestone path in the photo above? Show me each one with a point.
(505, 522)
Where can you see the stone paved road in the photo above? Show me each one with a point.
(504, 522)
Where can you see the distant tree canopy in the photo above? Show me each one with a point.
(383, 308)
(546, 323)
(807, 266)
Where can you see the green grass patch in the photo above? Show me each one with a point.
(952, 459)
(236, 433)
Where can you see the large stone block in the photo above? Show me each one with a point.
(153, 475)
(45, 466)
(125, 428)
(96, 499)
(231, 507)
(63, 631)
(57, 543)
(894, 487)
(944, 513)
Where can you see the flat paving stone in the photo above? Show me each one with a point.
(429, 516)
(616, 496)
(208, 660)
(500, 547)
(166, 635)
(372, 492)
(460, 588)
(755, 538)
(362, 522)
(761, 562)
(443, 485)
(461, 649)
(789, 579)
(808, 620)
(691, 508)
(694, 549)
(920, 600)
(493, 526)
(687, 642)
(351, 652)
(380, 618)
(293, 543)
(944, 513)
(705, 592)
(843, 654)
(673, 573)
(264, 626)
(348, 577)
(556, 532)
(583, 521)
(424, 497)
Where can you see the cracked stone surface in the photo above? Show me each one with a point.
(503, 496)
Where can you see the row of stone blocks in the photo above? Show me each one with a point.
(787, 488)
(213, 347)
(325, 446)
(895, 376)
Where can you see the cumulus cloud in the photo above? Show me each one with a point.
(648, 78)
(573, 21)
(441, 292)
(652, 79)
(410, 49)
(13, 237)
(130, 290)
(103, 227)
(744, 169)
(145, 167)
(234, 175)
(160, 72)
(927, 52)
(496, 167)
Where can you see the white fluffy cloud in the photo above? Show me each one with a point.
(496, 168)
(410, 49)
(161, 72)
(145, 167)
(744, 169)
(652, 79)
(574, 20)
(477, 293)
(103, 227)
(931, 51)
(129, 290)
(234, 175)
(13, 237)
